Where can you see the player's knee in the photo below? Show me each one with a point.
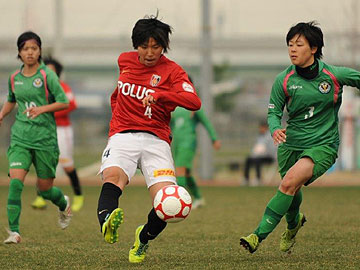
(44, 184)
(46, 194)
(115, 176)
(180, 171)
(288, 185)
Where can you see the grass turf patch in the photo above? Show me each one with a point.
(207, 239)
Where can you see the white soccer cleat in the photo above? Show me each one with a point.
(65, 216)
(198, 203)
(14, 238)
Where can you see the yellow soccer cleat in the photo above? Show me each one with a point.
(250, 242)
(287, 240)
(39, 203)
(78, 202)
(138, 251)
(111, 225)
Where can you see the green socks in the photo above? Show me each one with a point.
(193, 187)
(292, 215)
(189, 182)
(56, 196)
(14, 204)
(275, 210)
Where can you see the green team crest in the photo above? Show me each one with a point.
(324, 87)
(37, 83)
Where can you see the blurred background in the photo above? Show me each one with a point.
(232, 49)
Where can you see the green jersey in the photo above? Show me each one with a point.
(40, 89)
(184, 122)
(312, 105)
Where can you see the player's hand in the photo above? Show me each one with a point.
(279, 136)
(217, 144)
(148, 100)
(33, 112)
(1, 118)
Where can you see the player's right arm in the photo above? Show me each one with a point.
(9, 105)
(275, 111)
(6, 109)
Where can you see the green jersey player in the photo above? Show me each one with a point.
(183, 146)
(311, 91)
(37, 92)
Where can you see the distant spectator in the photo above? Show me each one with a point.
(263, 152)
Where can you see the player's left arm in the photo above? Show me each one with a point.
(182, 93)
(34, 112)
(204, 120)
(347, 76)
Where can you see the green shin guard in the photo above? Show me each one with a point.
(181, 181)
(275, 210)
(14, 204)
(56, 196)
(292, 215)
(193, 187)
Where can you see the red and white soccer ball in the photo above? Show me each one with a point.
(172, 203)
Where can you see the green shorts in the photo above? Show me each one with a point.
(45, 161)
(323, 156)
(183, 153)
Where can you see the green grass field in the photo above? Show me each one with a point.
(208, 239)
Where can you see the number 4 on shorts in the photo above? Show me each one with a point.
(107, 153)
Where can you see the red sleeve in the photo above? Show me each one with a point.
(183, 99)
(72, 102)
(113, 99)
(182, 93)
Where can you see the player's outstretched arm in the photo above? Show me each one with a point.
(6, 109)
(217, 144)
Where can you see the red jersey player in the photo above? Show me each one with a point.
(149, 88)
(65, 135)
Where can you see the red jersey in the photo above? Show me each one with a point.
(62, 117)
(167, 82)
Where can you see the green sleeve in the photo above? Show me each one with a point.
(348, 76)
(11, 96)
(204, 120)
(55, 88)
(276, 105)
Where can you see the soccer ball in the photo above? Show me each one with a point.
(172, 203)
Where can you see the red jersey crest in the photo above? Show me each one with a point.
(155, 79)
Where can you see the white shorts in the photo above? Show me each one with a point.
(142, 150)
(65, 137)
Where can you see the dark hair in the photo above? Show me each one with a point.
(151, 27)
(58, 67)
(311, 32)
(25, 37)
